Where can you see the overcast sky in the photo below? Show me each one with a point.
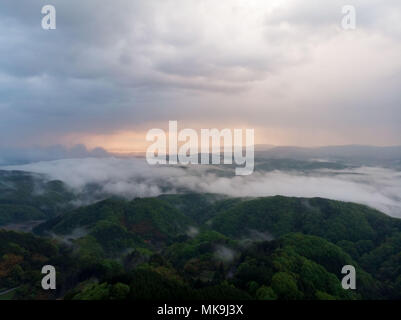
(114, 69)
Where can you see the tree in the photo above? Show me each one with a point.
(285, 286)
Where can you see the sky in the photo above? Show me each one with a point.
(112, 70)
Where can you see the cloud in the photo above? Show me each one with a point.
(125, 65)
(376, 187)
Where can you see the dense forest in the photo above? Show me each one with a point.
(203, 246)
(25, 196)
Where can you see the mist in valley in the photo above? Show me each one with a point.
(98, 178)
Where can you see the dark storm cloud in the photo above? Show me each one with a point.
(113, 65)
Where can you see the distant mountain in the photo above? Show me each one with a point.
(354, 154)
(16, 156)
(263, 147)
(284, 164)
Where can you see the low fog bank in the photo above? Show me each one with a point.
(377, 187)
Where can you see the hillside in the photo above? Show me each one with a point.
(26, 196)
(196, 246)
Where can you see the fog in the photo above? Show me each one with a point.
(376, 187)
(224, 254)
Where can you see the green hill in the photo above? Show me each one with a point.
(26, 196)
(332, 220)
(117, 224)
(197, 246)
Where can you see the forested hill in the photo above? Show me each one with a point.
(203, 246)
(25, 196)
